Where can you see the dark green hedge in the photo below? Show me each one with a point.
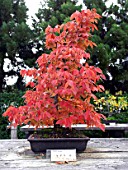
(6, 99)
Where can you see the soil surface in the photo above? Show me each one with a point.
(59, 133)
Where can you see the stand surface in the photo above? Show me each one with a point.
(101, 153)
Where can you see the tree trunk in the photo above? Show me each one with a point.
(1, 73)
(56, 126)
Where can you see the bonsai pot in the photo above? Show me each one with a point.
(39, 145)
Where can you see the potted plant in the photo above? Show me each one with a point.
(62, 87)
(112, 106)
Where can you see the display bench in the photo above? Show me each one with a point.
(112, 130)
(103, 153)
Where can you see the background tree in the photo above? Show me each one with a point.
(51, 13)
(6, 99)
(111, 53)
(15, 36)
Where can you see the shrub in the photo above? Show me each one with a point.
(115, 107)
(7, 99)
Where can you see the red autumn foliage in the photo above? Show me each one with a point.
(62, 87)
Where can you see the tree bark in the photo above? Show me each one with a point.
(2, 74)
(56, 126)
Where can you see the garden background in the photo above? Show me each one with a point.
(21, 44)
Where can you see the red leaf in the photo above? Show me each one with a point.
(97, 69)
(94, 89)
(102, 127)
(87, 115)
(87, 55)
(31, 84)
(54, 82)
(101, 87)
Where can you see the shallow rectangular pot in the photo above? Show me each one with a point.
(41, 145)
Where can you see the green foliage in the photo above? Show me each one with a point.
(15, 36)
(115, 107)
(120, 118)
(112, 49)
(112, 103)
(7, 99)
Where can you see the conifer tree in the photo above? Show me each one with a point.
(111, 53)
(14, 38)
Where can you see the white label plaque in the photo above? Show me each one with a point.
(63, 155)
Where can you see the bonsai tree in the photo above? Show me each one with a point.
(62, 87)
